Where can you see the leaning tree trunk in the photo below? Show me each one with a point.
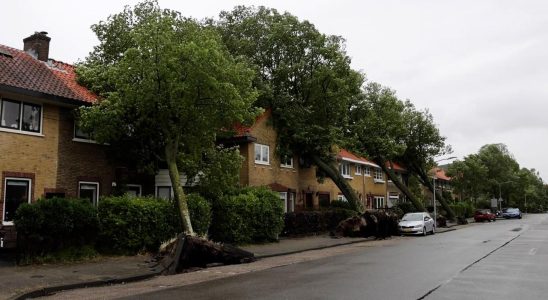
(402, 187)
(171, 150)
(425, 180)
(333, 173)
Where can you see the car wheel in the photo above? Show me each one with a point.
(433, 230)
(424, 233)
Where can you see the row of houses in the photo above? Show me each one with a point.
(43, 153)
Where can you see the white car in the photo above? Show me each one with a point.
(417, 223)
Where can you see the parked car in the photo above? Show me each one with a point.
(417, 223)
(482, 215)
(511, 213)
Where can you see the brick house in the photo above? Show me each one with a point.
(297, 184)
(43, 153)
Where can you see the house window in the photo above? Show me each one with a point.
(289, 201)
(341, 197)
(262, 154)
(16, 192)
(378, 175)
(163, 192)
(23, 116)
(345, 169)
(134, 190)
(79, 134)
(90, 191)
(367, 171)
(379, 202)
(358, 170)
(286, 161)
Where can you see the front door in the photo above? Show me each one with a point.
(309, 200)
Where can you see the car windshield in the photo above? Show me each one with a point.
(511, 210)
(412, 217)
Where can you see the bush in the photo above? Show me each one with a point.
(406, 207)
(255, 214)
(51, 227)
(129, 225)
(309, 222)
(463, 209)
(340, 204)
(200, 213)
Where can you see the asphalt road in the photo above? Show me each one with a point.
(506, 259)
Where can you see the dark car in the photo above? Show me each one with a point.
(484, 215)
(511, 213)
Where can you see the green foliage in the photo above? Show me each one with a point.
(129, 225)
(255, 214)
(200, 213)
(463, 209)
(51, 227)
(406, 207)
(310, 222)
(341, 204)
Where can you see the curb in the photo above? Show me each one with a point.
(47, 291)
(314, 248)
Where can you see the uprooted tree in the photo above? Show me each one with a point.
(167, 86)
(304, 76)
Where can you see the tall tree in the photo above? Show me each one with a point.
(304, 76)
(377, 130)
(468, 177)
(423, 142)
(164, 81)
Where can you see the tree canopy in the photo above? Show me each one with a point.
(165, 82)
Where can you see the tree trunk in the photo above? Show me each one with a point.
(339, 180)
(171, 150)
(425, 180)
(402, 187)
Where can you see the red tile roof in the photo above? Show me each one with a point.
(396, 166)
(242, 130)
(20, 70)
(351, 157)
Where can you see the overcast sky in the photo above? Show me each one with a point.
(480, 67)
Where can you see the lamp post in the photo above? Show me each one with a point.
(500, 195)
(434, 192)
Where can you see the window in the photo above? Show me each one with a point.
(379, 202)
(358, 170)
(367, 171)
(79, 134)
(262, 154)
(345, 170)
(286, 161)
(289, 201)
(341, 197)
(22, 116)
(134, 190)
(16, 192)
(89, 190)
(378, 175)
(163, 192)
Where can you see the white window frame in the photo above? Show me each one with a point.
(379, 202)
(284, 165)
(81, 139)
(345, 169)
(358, 170)
(137, 186)
(9, 223)
(20, 130)
(341, 197)
(367, 171)
(284, 196)
(96, 202)
(156, 189)
(378, 176)
(261, 160)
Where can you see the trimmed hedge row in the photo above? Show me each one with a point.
(306, 222)
(463, 209)
(255, 214)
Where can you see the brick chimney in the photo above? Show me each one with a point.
(37, 45)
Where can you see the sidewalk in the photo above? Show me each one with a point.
(33, 281)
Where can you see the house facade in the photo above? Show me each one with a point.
(42, 153)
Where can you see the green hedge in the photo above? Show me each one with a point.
(340, 204)
(307, 222)
(58, 225)
(255, 214)
(200, 213)
(463, 209)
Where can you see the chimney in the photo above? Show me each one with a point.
(37, 45)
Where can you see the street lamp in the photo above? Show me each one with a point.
(434, 179)
(500, 196)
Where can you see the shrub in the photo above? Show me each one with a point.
(406, 207)
(129, 225)
(255, 214)
(309, 222)
(51, 227)
(463, 209)
(340, 204)
(200, 213)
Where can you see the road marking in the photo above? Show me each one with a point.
(533, 251)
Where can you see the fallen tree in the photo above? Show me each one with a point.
(378, 223)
